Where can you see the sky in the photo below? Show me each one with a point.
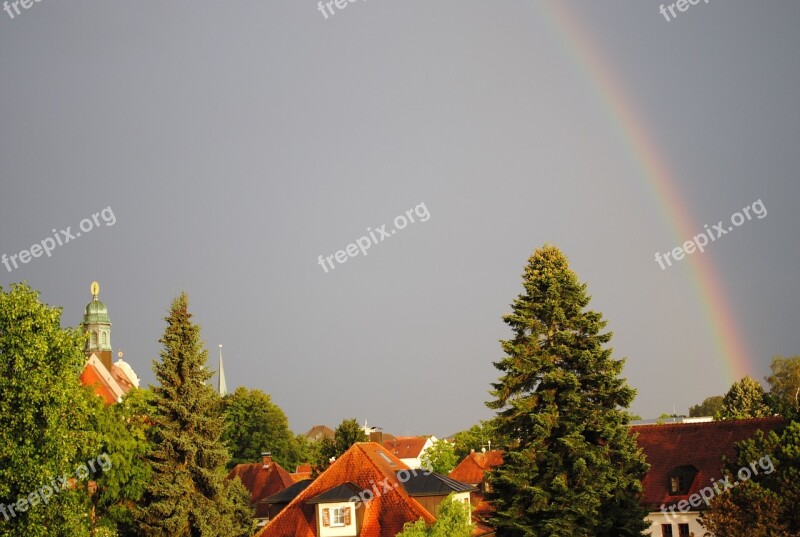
(224, 147)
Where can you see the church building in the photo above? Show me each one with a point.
(111, 381)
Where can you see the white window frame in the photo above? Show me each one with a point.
(337, 517)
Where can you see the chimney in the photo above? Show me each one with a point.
(266, 458)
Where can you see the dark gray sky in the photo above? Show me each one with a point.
(235, 142)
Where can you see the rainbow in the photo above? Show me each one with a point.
(732, 351)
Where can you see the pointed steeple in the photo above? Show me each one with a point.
(223, 387)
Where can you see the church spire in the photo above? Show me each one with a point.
(98, 326)
(223, 387)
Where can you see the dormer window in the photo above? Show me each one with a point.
(340, 516)
(680, 480)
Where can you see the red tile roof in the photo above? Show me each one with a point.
(90, 376)
(262, 482)
(473, 468)
(364, 464)
(406, 447)
(701, 445)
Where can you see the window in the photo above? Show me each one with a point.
(94, 339)
(337, 516)
(683, 530)
(105, 338)
(680, 480)
(666, 530)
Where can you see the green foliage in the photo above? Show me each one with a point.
(711, 406)
(453, 521)
(122, 435)
(481, 435)
(784, 386)
(45, 433)
(572, 467)
(347, 433)
(188, 494)
(307, 451)
(745, 400)
(767, 504)
(254, 424)
(440, 457)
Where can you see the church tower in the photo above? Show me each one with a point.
(98, 325)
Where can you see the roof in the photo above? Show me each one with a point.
(423, 484)
(288, 494)
(701, 445)
(339, 493)
(406, 447)
(318, 432)
(105, 384)
(364, 465)
(262, 482)
(473, 468)
(302, 472)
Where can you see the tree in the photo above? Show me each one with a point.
(784, 386)
(440, 457)
(479, 436)
(766, 499)
(346, 434)
(572, 467)
(744, 400)
(711, 406)
(254, 424)
(44, 435)
(188, 494)
(453, 521)
(122, 430)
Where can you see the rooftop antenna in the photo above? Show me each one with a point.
(223, 387)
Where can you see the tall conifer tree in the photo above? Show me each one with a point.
(188, 495)
(572, 468)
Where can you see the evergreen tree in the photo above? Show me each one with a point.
(745, 399)
(44, 434)
(188, 494)
(572, 468)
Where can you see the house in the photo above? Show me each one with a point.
(409, 449)
(685, 466)
(274, 504)
(318, 432)
(474, 469)
(263, 479)
(367, 492)
(303, 471)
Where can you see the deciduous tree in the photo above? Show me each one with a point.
(254, 424)
(44, 427)
(711, 406)
(440, 457)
